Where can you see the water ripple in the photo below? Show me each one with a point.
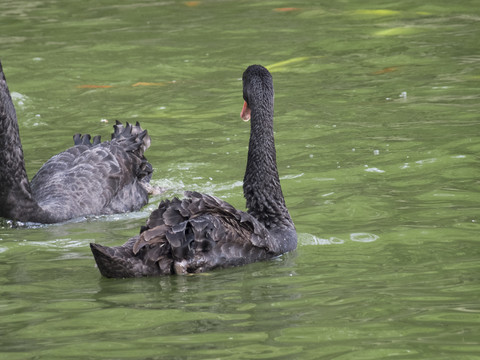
(309, 239)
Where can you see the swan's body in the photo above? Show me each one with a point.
(87, 179)
(202, 232)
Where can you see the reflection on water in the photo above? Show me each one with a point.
(377, 147)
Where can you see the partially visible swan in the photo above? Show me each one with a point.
(202, 232)
(87, 179)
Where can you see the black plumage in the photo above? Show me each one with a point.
(202, 232)
(90, 178)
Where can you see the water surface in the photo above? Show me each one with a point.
(377, 134)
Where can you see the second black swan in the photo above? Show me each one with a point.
(202, 232)
(90, 178)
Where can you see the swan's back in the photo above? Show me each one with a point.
(196, 234)
(87, 179)
(93, 179)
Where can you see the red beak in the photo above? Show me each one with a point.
(246, 112)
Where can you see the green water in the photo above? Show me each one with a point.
(384, 189)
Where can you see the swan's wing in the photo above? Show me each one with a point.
(196, 234)
(202, 232)
(96, 179)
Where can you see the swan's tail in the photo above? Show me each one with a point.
(119, 262)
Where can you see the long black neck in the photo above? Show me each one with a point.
(261, 184)
(16, 200)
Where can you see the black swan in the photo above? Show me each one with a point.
(202, 232)
(87, 179)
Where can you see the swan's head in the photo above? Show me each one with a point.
(257, 89)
